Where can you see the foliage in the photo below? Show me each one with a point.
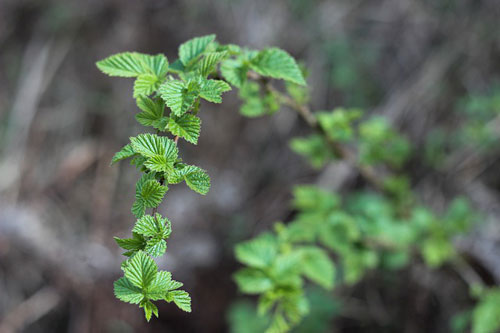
(168, 96)
(331, 241)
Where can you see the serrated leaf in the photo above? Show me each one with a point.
(234, 72)
(191, 49)
(179, 96)
(145, 85)
(160, 151)
(159, 287)
(181, 298)
(138, 209)
(317, 266)
(259, 252)
(209, 62)
(152, 111)
(149, 309)
(212, 90)
(157, 64)
(141, 270)
(152, 193)
(197, 179)
(172, 285)
(127, 292)
(131, 64)
(150, 226)
(252, 281)
(188, 127)
(156, 247)
(124, 153)
(136, 243)
(149, 145)
(126, 64)
(278, 64)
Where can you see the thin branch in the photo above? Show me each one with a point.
(367, 172)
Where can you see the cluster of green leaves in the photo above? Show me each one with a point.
(168, 96)
(333, 242)
(363, 233)
(337, 125)
(330, 242)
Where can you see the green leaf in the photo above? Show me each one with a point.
(150, 226)
(188, 127)
(127, 292)
(127, 64)
(179, 96)
(141, 270)
(317, 266)
(136, 243)
(138, 208)
(181, 299)
(278, 64)
(132, 64)
(486, 315)
(152, 111)
(234, 72)
(159, 287)
(146, 84)
(197, 179)
(278, 325)
(191, 49)
(209, 62)
(257, 103)
(160, 151)
(338, 124)
(172, 285)
(151, 193)
(259, 252)
(149, 309)
(157, 64)
(156, 247)
(252, 281)
(212, 90)
(149, 145)
(314, 148)
(126, 152)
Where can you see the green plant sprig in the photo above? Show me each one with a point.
(169, 98)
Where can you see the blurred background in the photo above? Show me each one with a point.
(430, 66)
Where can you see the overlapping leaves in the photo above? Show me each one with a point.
(143, 283)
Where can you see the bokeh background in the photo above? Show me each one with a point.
(418, 62)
